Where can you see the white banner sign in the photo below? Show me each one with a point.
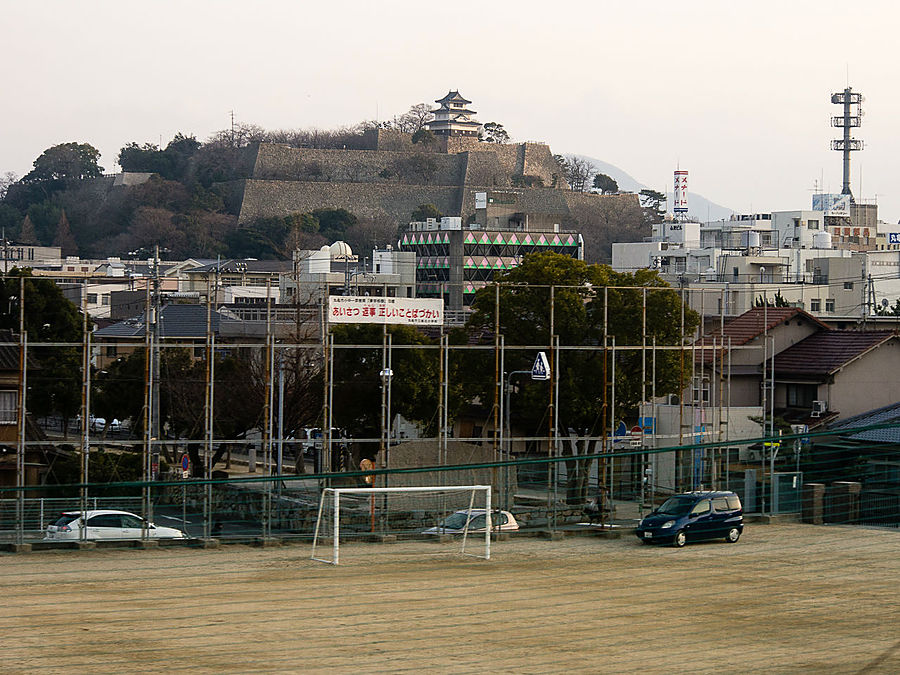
(366, 309)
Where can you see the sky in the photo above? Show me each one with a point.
(738, 94)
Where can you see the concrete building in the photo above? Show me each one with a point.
(336, 270)
(453, 261)
(26, 255)
(821, 260)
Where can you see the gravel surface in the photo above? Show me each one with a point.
(786, 598)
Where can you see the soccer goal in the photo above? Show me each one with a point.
(348, 514)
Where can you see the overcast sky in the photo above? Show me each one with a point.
(736, 93)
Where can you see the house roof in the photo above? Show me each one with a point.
(826, 352)
(885, 415)
(759, 320)
(176, 321)
(232, 266)
(9, 350)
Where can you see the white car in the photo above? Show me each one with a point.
(455, 523)
(107, 524)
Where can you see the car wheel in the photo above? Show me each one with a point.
(733, 535)
(679, 540)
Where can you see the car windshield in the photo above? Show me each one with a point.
(676, 506)
(66, 518)
(455, 521)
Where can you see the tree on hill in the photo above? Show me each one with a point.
(66, 162)
(654, 205)
(10, 221)
(605, 184)
(413, 120)
(493, 132)
(172, 163)
(6, 180)
(64, 238)
(333, 223)
(578, 171)
(424, 212)
(45, 217)
(27, 235)
(424, 137)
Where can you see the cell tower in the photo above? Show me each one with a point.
(850, 100)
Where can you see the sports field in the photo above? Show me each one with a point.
(786, 598)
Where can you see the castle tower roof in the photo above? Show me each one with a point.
(453, 118)
(452, 96)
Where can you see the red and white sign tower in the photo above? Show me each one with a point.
(680, 206)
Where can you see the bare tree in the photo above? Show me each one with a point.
(6, 180)
(579, 171)
(413, 119)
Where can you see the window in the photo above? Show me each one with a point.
(700, 508)
(104, 300)
(848, 285)
(92, 298)
(734, 502)
(801, 395)
(9, 401)
(132, 521)
(813, 224)
(815, 305)
(829, 305)
(105, 520)
(111, 351)
(720, 504)
(700, 390)
(67, 518)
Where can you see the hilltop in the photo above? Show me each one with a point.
(249, 192)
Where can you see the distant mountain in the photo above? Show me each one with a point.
(700, 207)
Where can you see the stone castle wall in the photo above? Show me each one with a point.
(281, 162)
(392, 183)
(264, 198)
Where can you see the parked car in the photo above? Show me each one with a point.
(455, 523)
(694, 516)
(106, 524)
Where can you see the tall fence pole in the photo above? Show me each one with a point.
(20, 441)
(85, 407)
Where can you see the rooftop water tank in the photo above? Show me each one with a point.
(822, 240)
(750, 239)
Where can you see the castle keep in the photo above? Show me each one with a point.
(392, 176)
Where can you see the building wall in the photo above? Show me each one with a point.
(867, 383)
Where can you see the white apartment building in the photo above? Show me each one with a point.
(812, 259)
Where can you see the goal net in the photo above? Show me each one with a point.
(366, 514)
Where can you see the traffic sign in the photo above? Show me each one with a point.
(637, 436)
(185, 466)
(541, 368)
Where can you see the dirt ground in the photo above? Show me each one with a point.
(786, 598)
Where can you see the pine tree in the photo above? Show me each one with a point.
(64, 238)
(27, 234)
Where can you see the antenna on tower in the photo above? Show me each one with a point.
(851, 117)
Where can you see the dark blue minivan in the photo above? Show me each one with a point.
(694, 516)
